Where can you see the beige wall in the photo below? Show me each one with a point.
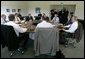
(29, 6)
(45, 6)
(14, 5)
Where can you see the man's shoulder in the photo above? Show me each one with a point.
(11, 23)
(50, 24)
(75, 22)
(39, 24)
(6, 23)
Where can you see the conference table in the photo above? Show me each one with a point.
(27, 24)
(31, 28)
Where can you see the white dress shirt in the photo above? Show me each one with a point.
(72, 26)
(16, 27)
(56, 19)
(45, 24)
(67, 26)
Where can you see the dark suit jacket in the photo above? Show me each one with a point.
(39, 15)
(9, 37)
(28, 18)
(69, 22)
(78, 32)
(63, 16)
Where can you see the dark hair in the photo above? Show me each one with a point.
(45, 18)
(56, 14)
(71, 12)
(11, 17)
(16, 13)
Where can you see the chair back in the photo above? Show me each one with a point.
(78, 32)
(46, 41)
(9, 36)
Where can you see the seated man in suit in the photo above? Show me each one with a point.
(72, 27)
(16, 27)
(29, 17)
